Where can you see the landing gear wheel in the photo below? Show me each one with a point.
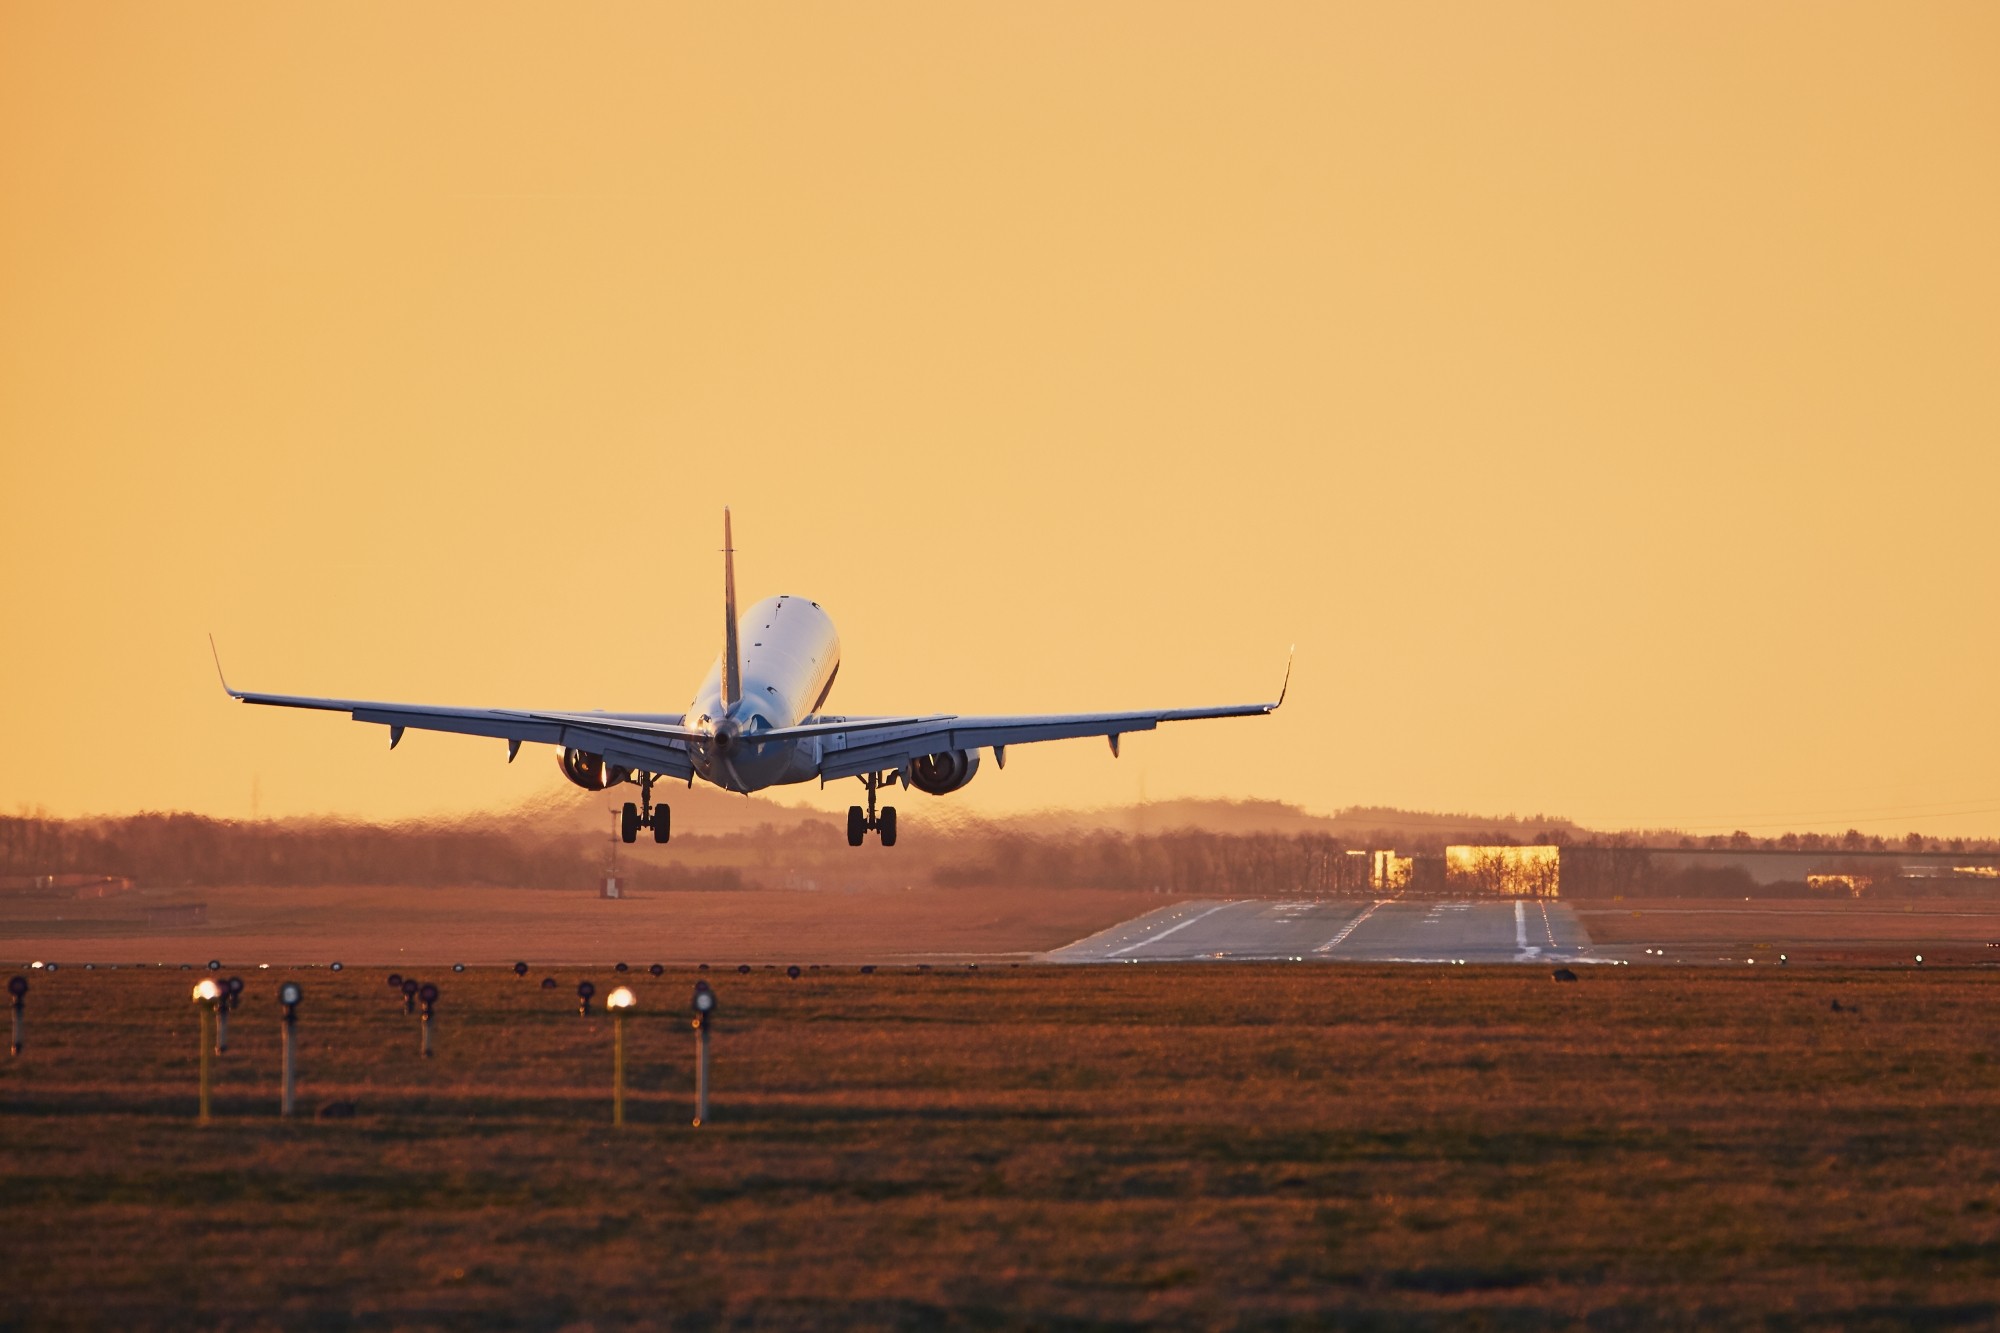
(857, 826)
(663, 820)
(887, 824)
(628, 823)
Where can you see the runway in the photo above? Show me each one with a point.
(1343, 931)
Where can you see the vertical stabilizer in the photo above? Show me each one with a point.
(732, 660)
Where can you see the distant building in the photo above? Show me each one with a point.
(1504, 872)
(1390, 872)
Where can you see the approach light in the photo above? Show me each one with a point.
(620, 967)
(36, 965)
(408, 986)
(619, 999)
(458, 967)
(868, 969)
(395, 981)
(51, 967)
(235, 988)
(548, 983)
(17, 986)
(206, 992)
(656, 969)
(1920, 960)
(215, 964)
(701, 968)
(742, 969)
(520, 969)
(584, 990)
(261, 967)
(428, 993)
(335, 966)
(793, 971)
(704, 999)
(290, 994)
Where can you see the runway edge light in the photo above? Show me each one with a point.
(618, 1002)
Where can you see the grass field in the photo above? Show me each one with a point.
(391, 927)
(1022, 1146)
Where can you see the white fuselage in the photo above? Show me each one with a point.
(790, 653)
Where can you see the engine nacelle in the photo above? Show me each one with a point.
(945, 771)
(590, 772)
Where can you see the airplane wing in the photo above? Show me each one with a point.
(655, 743)
(875, 745)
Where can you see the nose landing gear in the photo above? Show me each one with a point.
(861, 823)
(645, 814)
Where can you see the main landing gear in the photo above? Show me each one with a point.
(645, 814)
(860, 824)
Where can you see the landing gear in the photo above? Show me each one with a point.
(860, 823)
(645, 814)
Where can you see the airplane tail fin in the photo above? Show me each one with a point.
(732, 661)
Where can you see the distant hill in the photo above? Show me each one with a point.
(700, 809)
(1357, 823)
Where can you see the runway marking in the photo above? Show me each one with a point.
(1349, 928)
(1151, 939)
(1525, 952)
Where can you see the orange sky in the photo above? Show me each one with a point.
(1605, 398)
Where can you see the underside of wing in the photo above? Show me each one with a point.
(898, 746)
(655, 743)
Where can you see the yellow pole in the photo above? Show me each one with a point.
(207, 1016)
(618, 1068)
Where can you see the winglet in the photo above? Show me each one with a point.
(234, 694)
(1287, 685)
(732, 663)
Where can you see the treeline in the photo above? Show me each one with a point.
(182, 849)
(1178, 861)
(175, 850)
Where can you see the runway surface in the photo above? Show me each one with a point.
(1344, 930)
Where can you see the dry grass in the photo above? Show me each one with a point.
(1944, 930)
(484, 925)
(1187, 1146)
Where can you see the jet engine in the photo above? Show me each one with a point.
(945, 771)
(590, 772)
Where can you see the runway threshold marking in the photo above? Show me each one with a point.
(1350, 927)
(1152, 939)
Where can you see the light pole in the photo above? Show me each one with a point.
(289, 995)
(206, 996)
(618, 1002)
(18, 988)
(704, 1009)
(429, 995)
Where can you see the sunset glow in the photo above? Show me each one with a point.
(1605, 400)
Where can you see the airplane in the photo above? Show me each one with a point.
(755, 722)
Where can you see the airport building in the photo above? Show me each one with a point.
(1609, 871)
(1504, 872)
